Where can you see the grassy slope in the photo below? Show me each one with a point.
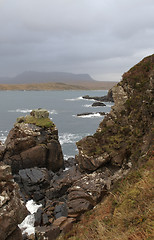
(126, 213)
(59, 86)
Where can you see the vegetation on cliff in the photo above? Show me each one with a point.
(127, 130)
(126, 137)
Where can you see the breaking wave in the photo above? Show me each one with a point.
(74, 99)
(69, 138)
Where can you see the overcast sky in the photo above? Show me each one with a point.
(101, 37)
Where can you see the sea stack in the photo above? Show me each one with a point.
(33, 142)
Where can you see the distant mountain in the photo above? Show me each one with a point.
(45, 77)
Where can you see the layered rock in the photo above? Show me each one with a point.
(33, 142)
(12, 209)
(123, 134)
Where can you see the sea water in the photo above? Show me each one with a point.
(63, 107)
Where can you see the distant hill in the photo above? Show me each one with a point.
(46, 77)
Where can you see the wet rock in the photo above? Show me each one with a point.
(33, 142)
(98, 104)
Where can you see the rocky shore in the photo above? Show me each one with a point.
(33, 152)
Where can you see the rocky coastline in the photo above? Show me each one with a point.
(33, 152)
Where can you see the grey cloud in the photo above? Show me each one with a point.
(103, 37)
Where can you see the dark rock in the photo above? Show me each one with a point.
(84, 114)
(45, 219)
(33, 182)
(16, 234)
(98, 104)
(79, 205)
(60, 184)
(107, 98)
(60, 211)
(38, 217)
(70, 162)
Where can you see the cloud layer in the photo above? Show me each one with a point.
(103, 37)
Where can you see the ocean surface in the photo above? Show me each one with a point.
(63, 107)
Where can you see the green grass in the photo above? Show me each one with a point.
(41, 122)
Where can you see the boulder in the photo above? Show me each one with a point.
(33, 142)
(12, 208)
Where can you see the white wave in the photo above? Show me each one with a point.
(27, 226)
(68, 156)
(3, 135)
(87, 105)
(21, 110)
(68, 138)
(108, 105)
(53, 111)
(74, 99)
(2, 139)
(93, 115)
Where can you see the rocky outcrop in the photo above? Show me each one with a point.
(127, 129)
(12, 209)
(98, 104)
(90, 113)
(33, 142)
(107, 98)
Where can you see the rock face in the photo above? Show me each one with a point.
(33, 142)
(12, 209)
(122, 135)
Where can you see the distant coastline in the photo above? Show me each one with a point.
(78, 85)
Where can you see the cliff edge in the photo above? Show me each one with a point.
(126, 132)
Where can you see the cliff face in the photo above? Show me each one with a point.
(126, 132)
(33, 142)
(12, 209)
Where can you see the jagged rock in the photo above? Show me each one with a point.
(86, 192)
(120, 136)
(107, 98)
(33, 142)
(12, 208)
(98, 104)
(33, 182)
(60, 184)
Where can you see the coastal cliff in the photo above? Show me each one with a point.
(124, 141)
(126, 132)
